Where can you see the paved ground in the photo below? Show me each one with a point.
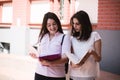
(16, 67)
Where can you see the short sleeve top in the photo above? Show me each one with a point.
(89, 68)
(53, 46)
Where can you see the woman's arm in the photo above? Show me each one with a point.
(81, 62)
(65, 48)
(55, 62)
(97, 52)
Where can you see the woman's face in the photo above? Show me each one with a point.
(52, 26)
(76, 25)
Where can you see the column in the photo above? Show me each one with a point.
(66, 11)
(21, 12)
(57, 7)
(51, 5)
(72, 7)
(19, 30)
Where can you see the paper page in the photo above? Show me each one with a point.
(77, 58)
(33, 50)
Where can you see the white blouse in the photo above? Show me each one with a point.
(53, 46)
(90, 67)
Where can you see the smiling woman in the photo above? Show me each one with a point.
(52, 59)
(52, 27)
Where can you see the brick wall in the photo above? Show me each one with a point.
(109, 14)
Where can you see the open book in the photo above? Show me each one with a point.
(50, 57)
(75, 58)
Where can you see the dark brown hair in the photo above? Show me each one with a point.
(86, 26)
(49, 15)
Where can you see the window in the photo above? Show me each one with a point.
(91, 7)
(38, 9)
(7, 17)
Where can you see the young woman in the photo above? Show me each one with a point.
(50, 42)
(86, 44)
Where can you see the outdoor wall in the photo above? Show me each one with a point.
(104, 13)
(109, 14)
(91, 7)
(19, 41)
(5, 35)
(109, 28)
(110, 50)
(5, 39)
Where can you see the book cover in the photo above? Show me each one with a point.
(50, 57)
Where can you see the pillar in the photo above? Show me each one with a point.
(66, 11)
(72, 7)
(19, 30)
(57, 7)
(21, 12)
(51, 5)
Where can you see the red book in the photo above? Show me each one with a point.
(50, 57)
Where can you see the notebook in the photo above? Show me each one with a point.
(50, 57)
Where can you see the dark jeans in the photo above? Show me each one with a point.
(41, 77)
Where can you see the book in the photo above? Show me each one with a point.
(79, 54)
(50, 57)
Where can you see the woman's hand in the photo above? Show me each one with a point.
(33, 52)
(33, 55)
(76, 65)
(45, 62)
(96, 52)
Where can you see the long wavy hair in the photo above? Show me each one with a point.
(44, 30)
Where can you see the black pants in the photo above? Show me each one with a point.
(41, 77)
(72, 79)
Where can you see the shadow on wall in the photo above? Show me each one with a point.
(4, 47)
(110, 50)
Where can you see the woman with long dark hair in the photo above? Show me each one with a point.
(86, 45)
(53, 46)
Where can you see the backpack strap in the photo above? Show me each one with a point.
(62, 39)
(66, 64)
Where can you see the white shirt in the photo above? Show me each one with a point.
(90, 67)
(53, 46)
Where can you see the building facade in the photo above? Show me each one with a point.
(24, 17)
(20, 24)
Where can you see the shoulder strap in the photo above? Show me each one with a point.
(62, 39)
(66, 64)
